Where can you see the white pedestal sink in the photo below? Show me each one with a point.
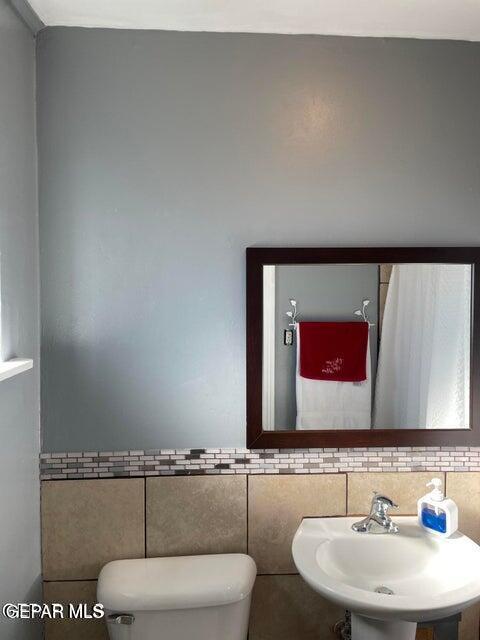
(389, 581)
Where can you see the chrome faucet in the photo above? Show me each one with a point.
(378, 520)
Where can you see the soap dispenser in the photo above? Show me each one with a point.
(436, 514)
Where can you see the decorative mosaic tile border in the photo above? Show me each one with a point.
(182, 462)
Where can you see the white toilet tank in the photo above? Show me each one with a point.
(201, 597)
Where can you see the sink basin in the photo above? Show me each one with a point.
(389, 581)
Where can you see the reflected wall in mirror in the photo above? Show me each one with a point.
(366, 346)
(363, 347)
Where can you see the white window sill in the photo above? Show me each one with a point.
(13, 367)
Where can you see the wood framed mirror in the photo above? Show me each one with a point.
(357, 347)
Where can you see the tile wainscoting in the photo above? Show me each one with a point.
(183, 462)
(88, 522)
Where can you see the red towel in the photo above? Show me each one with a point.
(333, 351)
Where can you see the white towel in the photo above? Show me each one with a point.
(327, 404)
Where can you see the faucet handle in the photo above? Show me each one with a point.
(382, 503)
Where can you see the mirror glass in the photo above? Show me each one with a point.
(366, 346)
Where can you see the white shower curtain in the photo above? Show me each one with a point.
(423, 375)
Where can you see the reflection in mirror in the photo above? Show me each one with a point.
(366, 346)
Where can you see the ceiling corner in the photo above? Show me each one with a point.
(28, 15)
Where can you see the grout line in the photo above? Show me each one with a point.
(72, 580)
(278, 574)
(144, 517)
(248, 507)
(347, 480)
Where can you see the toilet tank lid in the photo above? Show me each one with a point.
(182, 582)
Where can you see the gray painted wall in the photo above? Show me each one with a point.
(164, 155)
(323, 293)
(19, 396)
